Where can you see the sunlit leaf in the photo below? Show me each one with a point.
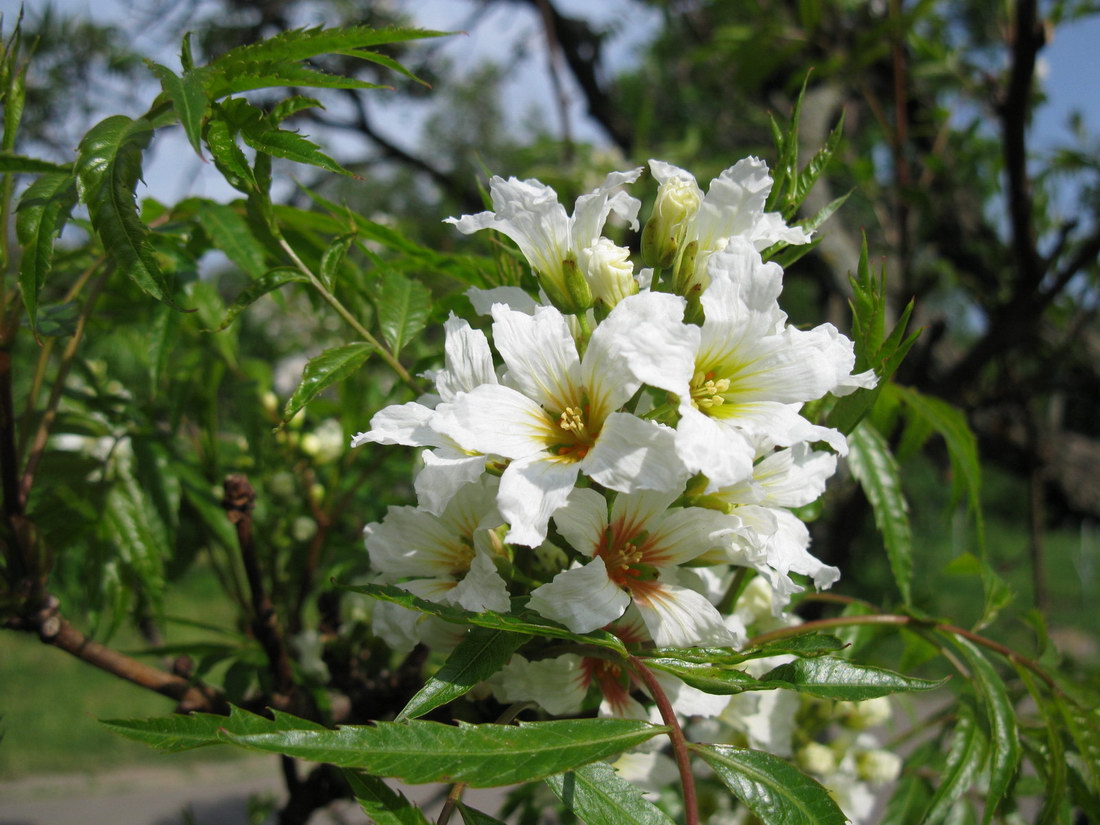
(831, 678)
(382, 804)
(965, 761)
(268, 282)
(188, 97)
(323, 371)
(230, 233)
(14, 164)
(403, 308)
(40, 216)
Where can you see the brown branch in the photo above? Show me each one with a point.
(676, 734)
(553, 49)
(53, 629)
(238, 503)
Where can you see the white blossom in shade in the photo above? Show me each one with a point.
(634, 551)
(767, 718)
(512, 297)
(649, 770)
(403, 629)
(555, 415)
(529, 213)
(753, 373)
(777, 541)
(468, 363)
(446, 558)
(558, 685)
(733, 207)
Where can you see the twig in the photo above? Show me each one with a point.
(676, 734)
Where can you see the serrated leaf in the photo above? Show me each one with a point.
(472, 816)
(527, 624)
(228, 158)
(11, 163)
(188, 96)
(1084, 728)
(268, 282)
(230, 232)
(909, 800)
(874, 467)
(818, 163)
(1001, 715)
(965, 761)
(382, 804)
(108, 166)
(179, 732)
(323, 371)
(403, 308)
(42, 212)
(291, 146)
(291, 106)
(709, 678)
(599, 796)
(275, 74)
(811, 644)
(773, 789)
(831, 678)
(478, 656)
(302, 44)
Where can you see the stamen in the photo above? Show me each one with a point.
(706, 392)
(572, 420)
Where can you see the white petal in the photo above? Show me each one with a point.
(583, 519)
(532, 490)
(444, 473)
(511, 296)
(397, 626)
(690, 701)
(495, 419)
(685, 533)
(794, 477)
(558, 685)
(788, 551)
(401, 424)
(482, 588)
(469, 362)
(713, 447)
(581, 598)
(780, 425)
(632, 454)
(540, 354)
(678, 617)
(645, 336)
(410, 542)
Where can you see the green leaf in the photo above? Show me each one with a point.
(42, 212)
(773, 789)
(302, 44)
(275, 74)
(1083, 725)
(1004, 733)
(528, 624)
(710, 678)
(416, 752)
(268, 282)
(333, 258)
(909, 801)
(831, 678)
(228, 158)
(291, 146)
(472, 816)
(1051, 764)
(965, 760)
(108, 166)
(188, 96)
(172, 734)
(13, 164)
(874, 467)
(403, 308)
(478, 656)
(382, 804)
(818, 163)
(229, 232)
(599, 796)
(323, 371)
(810, 644)
(291, 106)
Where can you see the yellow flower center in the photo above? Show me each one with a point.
(576, 437)
(706, 392)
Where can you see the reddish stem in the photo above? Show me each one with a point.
(676, 734)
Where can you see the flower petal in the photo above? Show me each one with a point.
(511, 296)
(498, 420)
(583, 519)
(469, 362)
(401, 424)
(581, 598)
(540, 354)
(558, 685)
(532, 490)
(444, 473)
(481, 588)
(713, 447)
(678, 617)
(632, 454)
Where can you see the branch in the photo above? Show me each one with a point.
(238, 503)
(54, 629)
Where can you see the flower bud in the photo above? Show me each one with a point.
(303, 528)
(878, 766)
(816, 758)
(677, 202)
(580, 293)
(866, 714)
(610, 271)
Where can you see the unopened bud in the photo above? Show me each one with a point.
(865, 714)
(580, 293)
(684, 278)
(303, 528)
(816, 758)
(610, 271)
(677, 202)
(878, 766)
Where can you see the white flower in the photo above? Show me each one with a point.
(732, 207)
(632, 553)
(752, 373)
(529, 213)
(556, 414)
(468, 363)
(445, 558)
(878, 766)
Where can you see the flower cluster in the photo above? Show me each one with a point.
(629, 440)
